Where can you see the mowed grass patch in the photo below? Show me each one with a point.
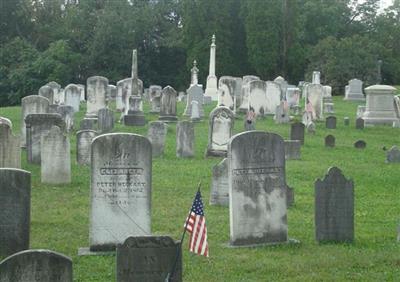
(60, 214)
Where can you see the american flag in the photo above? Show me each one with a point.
(195, 224)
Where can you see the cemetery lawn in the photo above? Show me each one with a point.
(59, 214)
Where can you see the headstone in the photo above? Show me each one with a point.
(245, 92)
(283, 85)
(55, 157)
(10, 150)
(297, 132)
(84, 140)
(135, 116)
(330, 122)
(257, 194)
(88, 124)
(360, 144)
(15, 202)
(31, 105)
(346, 121)
(185, 139)
(219, 185)
(73, 96)
(124, 90)
(292, 149)
(36, 126)
(105, 120)
(330, 141)
(359, 123)
(314, 100)
(67, 115)
(36, 266)
(273, 97)
(120, 189)
(227, 86)
(96, 87)
(57, 99)
(148, 258)
(157, 135)
(379, 104)
(393, 155)
(47, 92)
(220, 130)
(111, 92)
(168, 105)
(334, 207)
(194, 93)
(282, 113)
(354, 91)
(293, 97)
(258, 97)
(195, 115)
(6, 121)
(211, 86)
(316, 77)
(155, 98)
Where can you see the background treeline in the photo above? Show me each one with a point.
(68, 41)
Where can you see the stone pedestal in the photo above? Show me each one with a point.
(379, 105)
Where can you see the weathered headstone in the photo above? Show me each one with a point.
(283, 85)
(330, 122)
(353, 91)
(227, 86)
(359, 123)
(393, 155)
(244, 104)
(293, 97)
(96, 87)
(57, 99)
(257, 194)
(273, 97)
(148, 258)
(15, 202)
(84, 140)
(120, 189)
(168, 105)
(36, 126)
(67, 114)
(88, 124)
(194, 74)
(124, 90)
(184, 139)
(55, 157)
(297, 132)
(330, 141)
(82, 91)
(292, 149)
(282, 113)
(10, 150)
(258, 97)
(195, 114)
(73, 96)
(135, 116)
(194, 93)
(155, 98)
(157, 135)
(220, 131)
(314, 100)
(346, 121)
(47, 92)
(360, 144)
(111, 92)
(36, 266)
(219, 194)
(334, 207)
(316, 77)
(105, 120)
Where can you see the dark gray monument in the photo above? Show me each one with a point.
(360, 144)
(148, 258)
(105, 120)
(184, 139)
(393, 155)
(334, 207)
(292, 149)
(330, 122)
(168, 105)
(359, 123)
(330, 141)
(135, 116)
(297, 132)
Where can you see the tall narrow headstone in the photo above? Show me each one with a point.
(10, 150)
(314, 100)
(316, 77)
(84, 140)
(219, 194)
(105, 120)
(184, 139)
(67, 114)
(15, 203)
(155, 98)
(297, 132)
(211, 86)
(334, 207)
(96, 87)
(157, 135)
(220, 131)
(73, 96)
(168, 105)
(257, 189)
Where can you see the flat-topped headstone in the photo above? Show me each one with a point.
(10, 150)
(334, 207)
(15, 202)
(354, 91)
(194, 93)
(36, 126)
(330, 141)
(96, 88)
(219, 194)
(359, 123)
(292, 149)
(220, 130)
(33, 104)
(393, 155)
(155, 98)
(185, 139)
(330, 122)
(47, 92)
(36, 266)
(67, 114)
(55, 157)
(88, 124)
(346, 121)
(157, 135)
(148, 258)
(84, 140)
(257, 194)
(297, 132)
(360, 144)
(168, 105)
(120, 189)
(72, 95)
(105, 120)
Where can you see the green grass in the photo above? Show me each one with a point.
(59, 215)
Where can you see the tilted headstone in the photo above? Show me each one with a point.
(393, 155)
(354, 91)
(47, 92)
(359, 123)
(330, 141)
(334, 207)
(33, 104)
(184, 139)
(258, 97)
(120, 189)
(10, 150)
(194, 93)
(36, 266)
(220, 130)
(219, 194)
(88, 124)
(55, 157)
(292, 149)
(282, 113)
(157, 135)
(346, 121)
(297, 132)
(73, 96)
(360, 144)
(84, 140)
(57, 99)
(315, 98)
(168, 105)
(148, 258)
(36, 126)
(273, 95)
(67, 114)
(105, 120)
(330, 122)
(257, 189)
(96, 87)
(15, 203)
(155, 98)
(245, 92)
